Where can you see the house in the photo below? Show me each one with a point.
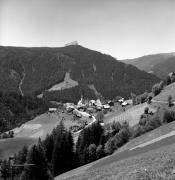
(69, 107)
(124, 104)
(106, 106)
(51, 110)
(81, 114)
(121, 100)
(98, 104)
(80, 104)
(92, 103)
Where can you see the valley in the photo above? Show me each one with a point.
(81, 96)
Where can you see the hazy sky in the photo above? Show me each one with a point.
(121, 28)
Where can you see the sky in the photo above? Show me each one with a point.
(122, 28)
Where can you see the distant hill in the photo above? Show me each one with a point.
(32, 71)
(159, 64)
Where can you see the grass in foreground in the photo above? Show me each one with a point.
(153, 165)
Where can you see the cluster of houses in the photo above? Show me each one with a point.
(85, 108)
(122, 102)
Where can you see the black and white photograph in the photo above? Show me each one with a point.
(87, 89)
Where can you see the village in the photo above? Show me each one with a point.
(75, 117)
(78, 116)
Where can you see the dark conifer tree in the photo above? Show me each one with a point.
(5, 171)
(90, 135)
(63, 155)
(40, 169)
(92, 153)
(22, 155)
(49, 145)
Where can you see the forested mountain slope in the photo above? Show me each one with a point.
(31, 71)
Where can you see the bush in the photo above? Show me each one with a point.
(116, 126)
(168, 80)
(156, 89)
(109, 146)
(168, 116)
(143, 97)
(142, 121)
(138, 131)
(100, 152)
(100, 116)
(124, 134)
(146, 110)
(118, 140)
(153, 123)
(91, 152)
(170, 101)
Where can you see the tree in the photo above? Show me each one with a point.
(48, 144)
(156, 89)
(40, 170)
(116, 126)
(146, 110)
(172, 78)
(153, 123)
(60, 129)
(143, 121)
(63, 156)
(5, 170)
(168, 116)
(22, 155)
(169, 100)
(124, 134)
(161, 85)
(144, 96)
(90, 135)
(100, 116)
(100, 152)
(109, 146)
(92, 152)
(149, 99)
(133, 96)
(168, 80)
(138, 131)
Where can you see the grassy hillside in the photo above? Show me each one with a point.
(155, 164)
(132, 115)
(9, 147)
(158, 64)
(167, 91)
(35, 70)
(126, 164)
